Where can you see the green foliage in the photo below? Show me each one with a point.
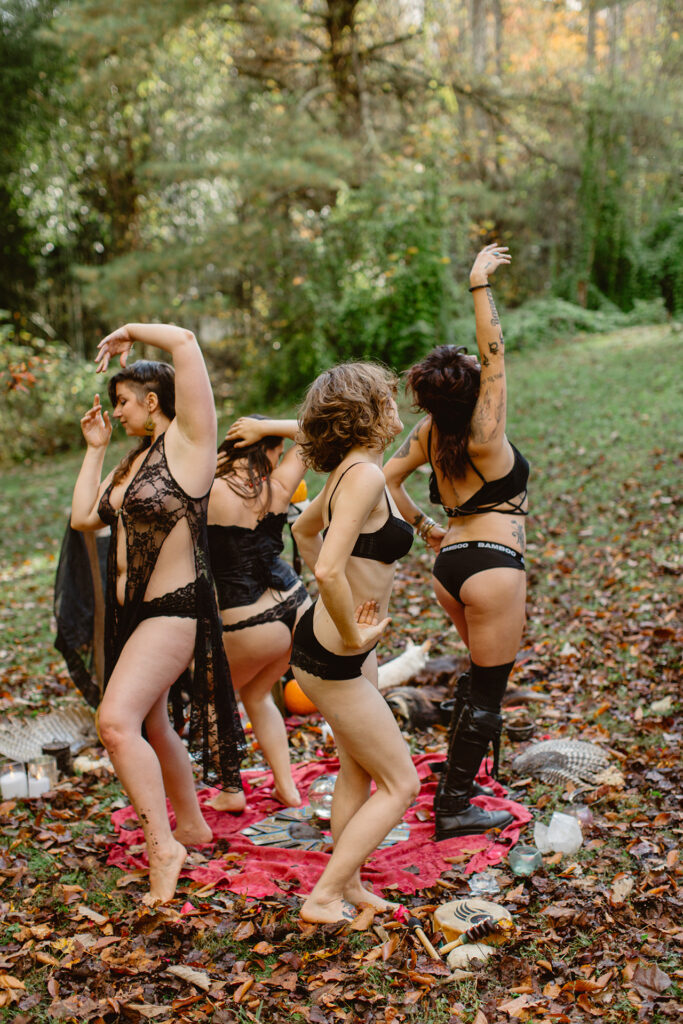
(546, 320)
(46, 391)
(373, 281)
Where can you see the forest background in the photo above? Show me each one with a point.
(306, 181)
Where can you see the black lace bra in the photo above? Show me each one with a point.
(392, 541)
(245, 562)
(510, 490)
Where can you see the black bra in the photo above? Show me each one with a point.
(492, 494)
(392, 541)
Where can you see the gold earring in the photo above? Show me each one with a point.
(149, 425)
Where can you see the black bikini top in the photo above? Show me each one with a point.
(510, 489)
(392, 541)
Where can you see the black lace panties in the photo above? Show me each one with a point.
(182, 603)
(284, 611)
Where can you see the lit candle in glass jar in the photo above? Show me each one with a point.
(13, 782)
(42, 775)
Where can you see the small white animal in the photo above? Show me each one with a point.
(405, 666)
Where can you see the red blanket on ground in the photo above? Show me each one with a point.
(413, 864)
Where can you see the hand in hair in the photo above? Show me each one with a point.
(96, 425)
(118, 343)
(245, 431)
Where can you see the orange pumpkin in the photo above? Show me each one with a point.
(296, 700)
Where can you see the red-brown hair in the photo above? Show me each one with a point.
(446, 385)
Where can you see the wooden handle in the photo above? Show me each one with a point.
(427, 944)
(443, 950)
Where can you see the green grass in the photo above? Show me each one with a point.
(600, 420)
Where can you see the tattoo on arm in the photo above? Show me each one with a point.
(493, 347)
(495, 321)
(484, 360)
(417, 518)
(405, 447)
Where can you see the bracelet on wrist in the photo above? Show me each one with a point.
(425, 527)
(474, 287)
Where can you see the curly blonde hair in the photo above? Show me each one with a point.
(345, 406)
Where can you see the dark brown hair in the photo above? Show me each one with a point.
(446, 385)
(143, 377)
(345, 406)
(256, 463)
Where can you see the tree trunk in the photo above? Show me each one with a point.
(590, 36)
(499, 22)
(340, 24)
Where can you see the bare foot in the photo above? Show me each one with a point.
(289, 795)
(334, 912)
(163, 874)
(234, 803)
(193, 835)
(358, 895)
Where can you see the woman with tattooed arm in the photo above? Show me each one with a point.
(480, 480)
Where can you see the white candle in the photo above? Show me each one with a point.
(13, 784)
(38, 784)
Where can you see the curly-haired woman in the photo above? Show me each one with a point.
(260, 596)
(160, 610)
(480, 481)
(347, 419)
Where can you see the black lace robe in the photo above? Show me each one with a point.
(152, 506)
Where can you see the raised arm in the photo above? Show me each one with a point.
(96, 427)
(195, 410)
(405, 461)
(357, 496)
(488, 419)
(249, 430)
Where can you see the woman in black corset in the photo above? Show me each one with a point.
(480, 481)
(347, 419)
(160, 608)
(260, 596)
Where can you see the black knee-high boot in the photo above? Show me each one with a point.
(454, 815)
(455, 706)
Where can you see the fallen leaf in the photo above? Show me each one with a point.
(621, 887)
(189, 974)
(91, 914)
(650, 981)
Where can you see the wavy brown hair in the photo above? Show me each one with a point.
(142, 377)
(345, 406)
(254, 459)
(446, 385)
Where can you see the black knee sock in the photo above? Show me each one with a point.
(487, 685)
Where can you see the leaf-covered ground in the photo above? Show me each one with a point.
(599, 933)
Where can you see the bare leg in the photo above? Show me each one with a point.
(258, 657)
(351, 790)
(191, 828)
(373, 747)
(490, 618)
(155, 655)
(270, 729)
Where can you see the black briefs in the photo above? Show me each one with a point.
(309, 655)
(284, 611)
(182, 603)
(455, 563)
